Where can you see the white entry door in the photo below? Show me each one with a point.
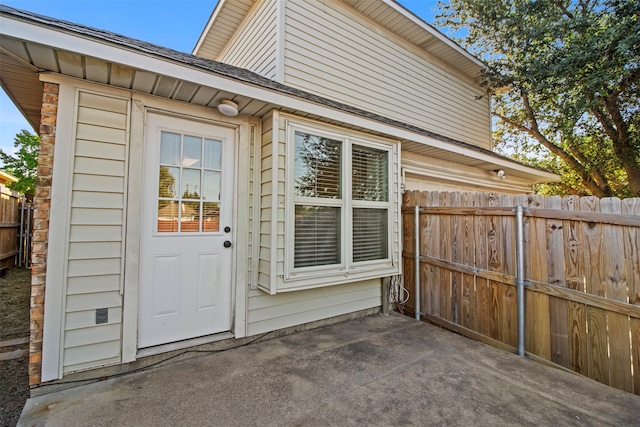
(185, 253)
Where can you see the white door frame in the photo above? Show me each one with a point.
(245, 130)
(185, 276)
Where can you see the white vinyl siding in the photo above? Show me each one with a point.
(272, 312)
(96, 224)
(334, 52)
(267, 192)
(254, 45)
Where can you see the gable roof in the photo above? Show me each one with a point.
(33, 44)
(389, 14)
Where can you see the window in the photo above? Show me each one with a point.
(370, 194)
(318, 192)
(188, 184)
(341, 203)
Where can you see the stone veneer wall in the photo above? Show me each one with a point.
(41, 203)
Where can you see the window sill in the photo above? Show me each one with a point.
(318, 279)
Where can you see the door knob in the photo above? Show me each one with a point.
(227, 244)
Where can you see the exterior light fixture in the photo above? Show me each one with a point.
(500, 174)
(228, 107)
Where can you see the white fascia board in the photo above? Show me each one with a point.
(428, 28)
(149, 62)
(207, 28)
(8, 177)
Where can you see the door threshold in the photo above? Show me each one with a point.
(165, 348)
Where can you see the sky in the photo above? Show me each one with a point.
(175, 24)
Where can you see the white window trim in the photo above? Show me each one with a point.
(337, 273)
(183, 133)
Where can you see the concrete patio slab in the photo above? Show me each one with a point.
(372, 371)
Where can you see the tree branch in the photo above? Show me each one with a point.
(589, 177)
(564, 9)
(622, 144)
(606, 123)
(626, 82)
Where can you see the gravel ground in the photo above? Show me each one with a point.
(14, 323)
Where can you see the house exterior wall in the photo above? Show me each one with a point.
(85, 243)
(96, 231)
(41, 204)
(267, 313)
(93, 255)
(254, 46)
(267, 189)
(331, 50)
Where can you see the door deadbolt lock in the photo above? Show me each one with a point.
(227, 244)
(227, 229)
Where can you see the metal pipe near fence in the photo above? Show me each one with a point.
(416, 251)
(27, 261)
(520, 276)
(21, 235)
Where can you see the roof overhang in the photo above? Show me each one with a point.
(6, 177)
(34, 44)
(227, 17)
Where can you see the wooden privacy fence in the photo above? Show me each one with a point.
(581, 265)
(16, 219)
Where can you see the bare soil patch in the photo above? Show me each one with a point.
(15, 289)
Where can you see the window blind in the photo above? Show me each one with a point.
(317, 166)
(370, 234)
(317, 236)
(370, 174)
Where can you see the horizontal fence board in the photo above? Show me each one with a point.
(8, 255)
(535, 286)
(487, 340)
(603, 218)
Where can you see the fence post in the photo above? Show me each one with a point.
(21, 235)
(417, 260)
(27, 262)
(520, 276)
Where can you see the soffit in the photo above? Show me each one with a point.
(22, 61)
(227, 17)
(21, 84)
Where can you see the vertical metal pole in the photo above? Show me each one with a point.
(27, 261)
(21, 238)
(417, 259)
(520, 276)
(386, 282)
